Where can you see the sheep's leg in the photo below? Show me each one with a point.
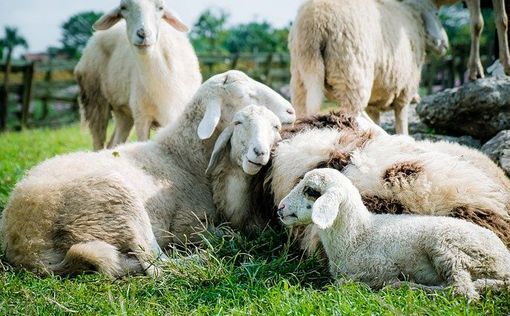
(502, 27)
(314, 86)
(475, 67)
(143, 126)
(123, 126)
(401, 106)
(416, 286)
(374, 115)
(98, 137)
(147, 250)
(298, 93)
(463, 285)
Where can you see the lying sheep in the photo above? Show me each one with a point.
(386, 249)
(113, 210)
(235, 160)
(364, 54)
(140, 66)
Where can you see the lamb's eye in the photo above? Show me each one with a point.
(277, 127)
(160, 8)
(312, 193)
(123, 7)
(236, 123)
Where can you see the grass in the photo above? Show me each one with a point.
(232, 275)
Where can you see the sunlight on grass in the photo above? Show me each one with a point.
(233, 275)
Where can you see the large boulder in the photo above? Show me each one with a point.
(480, 109)
(462, 140)
(498, 149)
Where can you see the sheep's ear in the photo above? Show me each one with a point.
(325, 209)
(219, 148)
(172, 19)
(211, 119)
(108, 20)
(437, 39)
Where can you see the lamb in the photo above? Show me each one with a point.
(114, 210)
(232, 168)
(385, 249)
(475, 68)
(365, 54)
(141, 69)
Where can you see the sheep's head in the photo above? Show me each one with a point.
(225, 94)
(143, 20)
(253, 132)
(316, 199)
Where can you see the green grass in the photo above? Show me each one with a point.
(233, 275)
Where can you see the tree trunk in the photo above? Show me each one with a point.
(4, 102)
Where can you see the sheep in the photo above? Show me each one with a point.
(365, 54)
(94, 209)
(385, 249)
(232, 168)
(141, 69)
(395, 174)
(475, 68)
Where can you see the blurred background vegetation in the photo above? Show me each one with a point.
(42, 91)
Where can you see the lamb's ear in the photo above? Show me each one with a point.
(211, 119)
(219, 148)
(108, 20)
(325, 209)
(172, 19)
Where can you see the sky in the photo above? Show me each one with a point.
(39, 21)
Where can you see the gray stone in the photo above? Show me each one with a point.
(463, 140)
(498, 149)
(480, 109)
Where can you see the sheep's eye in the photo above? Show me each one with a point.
(276, 127)
(308, 191)
(123, 8)
(236, 123)
(160, 8)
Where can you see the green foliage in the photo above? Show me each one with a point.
(11, 40)
(231, 275)
(76, 32)
(211, 35)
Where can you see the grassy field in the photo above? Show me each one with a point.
(231, 275)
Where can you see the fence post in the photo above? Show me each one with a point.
(28, 76)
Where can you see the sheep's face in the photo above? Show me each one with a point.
(143, 20)
(251, 135)
(316, 199)
(227, 93)
(256, 130)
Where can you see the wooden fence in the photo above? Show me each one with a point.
(38, 88)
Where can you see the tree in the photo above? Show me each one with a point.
(11, 40)
(207, 33)
(77, 31)
(256, 37)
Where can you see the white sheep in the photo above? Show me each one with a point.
(395, 174)
(84, 210)
(140, 66)
(365, 54)
(475, 68)
(386, 249)
(235, 161)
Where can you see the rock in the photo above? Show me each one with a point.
(498, 149)
(463, 140)
(480, 109)
(415, 125)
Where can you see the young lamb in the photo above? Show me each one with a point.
(94, 209)
(139, 65)
(386, 249)
(475, 68)
(364, 54)
(251, 136)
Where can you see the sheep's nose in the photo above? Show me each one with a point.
(280, 211)
(259, 152)
(143, 33)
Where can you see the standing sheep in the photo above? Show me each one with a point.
(475, 68)
(92, 210)
(364, 54)
(386, 249)
(140, 66)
